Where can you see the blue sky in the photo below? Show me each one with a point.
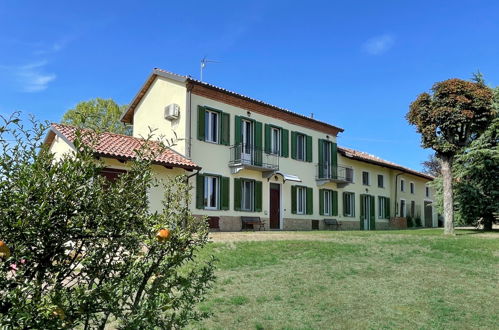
(355, 64)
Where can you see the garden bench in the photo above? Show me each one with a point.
(332, 223)
(254, 221)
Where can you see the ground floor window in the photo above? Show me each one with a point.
(327, 202)
(301, 200)
(349, 204)
(402, 208)
(247, 194)
(211, 192)
(383, 207)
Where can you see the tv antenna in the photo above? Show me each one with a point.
(205, 61)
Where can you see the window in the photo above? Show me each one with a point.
(383, 207)
(349, 204)
(427, 191)
(301, 200)
(402, 208)
(327, 202)
(211, 126)
(413, 208)
(381, 181)
(402, 185)
(300, 147)
(247, 194)
(411, 185)
(211, 192)
(275, 141)
(365, 178)
(349, 174)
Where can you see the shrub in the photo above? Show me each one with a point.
(410, 222)
(418, 222)
(83, 251)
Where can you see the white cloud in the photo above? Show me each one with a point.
(31, 77)
(379, 44)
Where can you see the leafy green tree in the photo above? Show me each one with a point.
(78, 251)
(449, 119)
(98, 114)
(477, 179)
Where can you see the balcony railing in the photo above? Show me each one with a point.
(247, 156)
(329, 173)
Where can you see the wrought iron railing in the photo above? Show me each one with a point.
(248, 155)
(326, 171)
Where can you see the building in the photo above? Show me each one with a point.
(255, 159)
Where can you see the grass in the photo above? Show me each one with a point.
(415, 279)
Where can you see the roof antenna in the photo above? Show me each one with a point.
(204, 61)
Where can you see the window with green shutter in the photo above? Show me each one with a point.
(294, 197)
(237, 194)
(348, 204)
(328, 202)
(212, 192)
(200, 191)
(310, 201)
(247, 195)
(301, 146)
(213, 125)
(224, 193)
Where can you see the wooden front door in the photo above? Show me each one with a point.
(428, 215)
(275, 206)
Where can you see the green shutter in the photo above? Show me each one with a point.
(321, 158)
(258, 150)
(237, 130)
(267, 138)
(372, 218)
(293, 199)
(293, 145)
(201, 128)
(258, 196)
(362, 211)
(200, 191)
(310, 201)
(344, 204)
(237, 194)
(225, 129)
(309, 148)
(334, 203)
(321, 201)
(224, 192)
(334, 160)
(387, 207)
(284, 142)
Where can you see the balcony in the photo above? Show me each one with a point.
(341, 175)
(243, 156)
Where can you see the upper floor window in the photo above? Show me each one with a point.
(275, 140)
(349, 204)
(402, 185)
(411, 185)
(349, 174)
(365, 178)
(381, 181)
(211, 125)
(427, 191)
(301, 146)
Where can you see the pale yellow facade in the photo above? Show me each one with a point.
(214, 159)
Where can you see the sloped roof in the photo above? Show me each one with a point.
(127, 117)
(124, 147)
(365, 157)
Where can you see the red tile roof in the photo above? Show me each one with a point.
(124, 147)
(365, 157)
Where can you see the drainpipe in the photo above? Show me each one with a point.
(396, 190)
(189, 120)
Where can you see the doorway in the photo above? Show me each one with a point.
(275, 206)
(367, 214)
(428, 215)
(247, 146)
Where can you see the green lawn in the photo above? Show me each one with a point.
(415, 279)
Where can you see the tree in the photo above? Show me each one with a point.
(477, 173)
(98, 114)
(432, 166)
(83, 251)
(449, 119)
